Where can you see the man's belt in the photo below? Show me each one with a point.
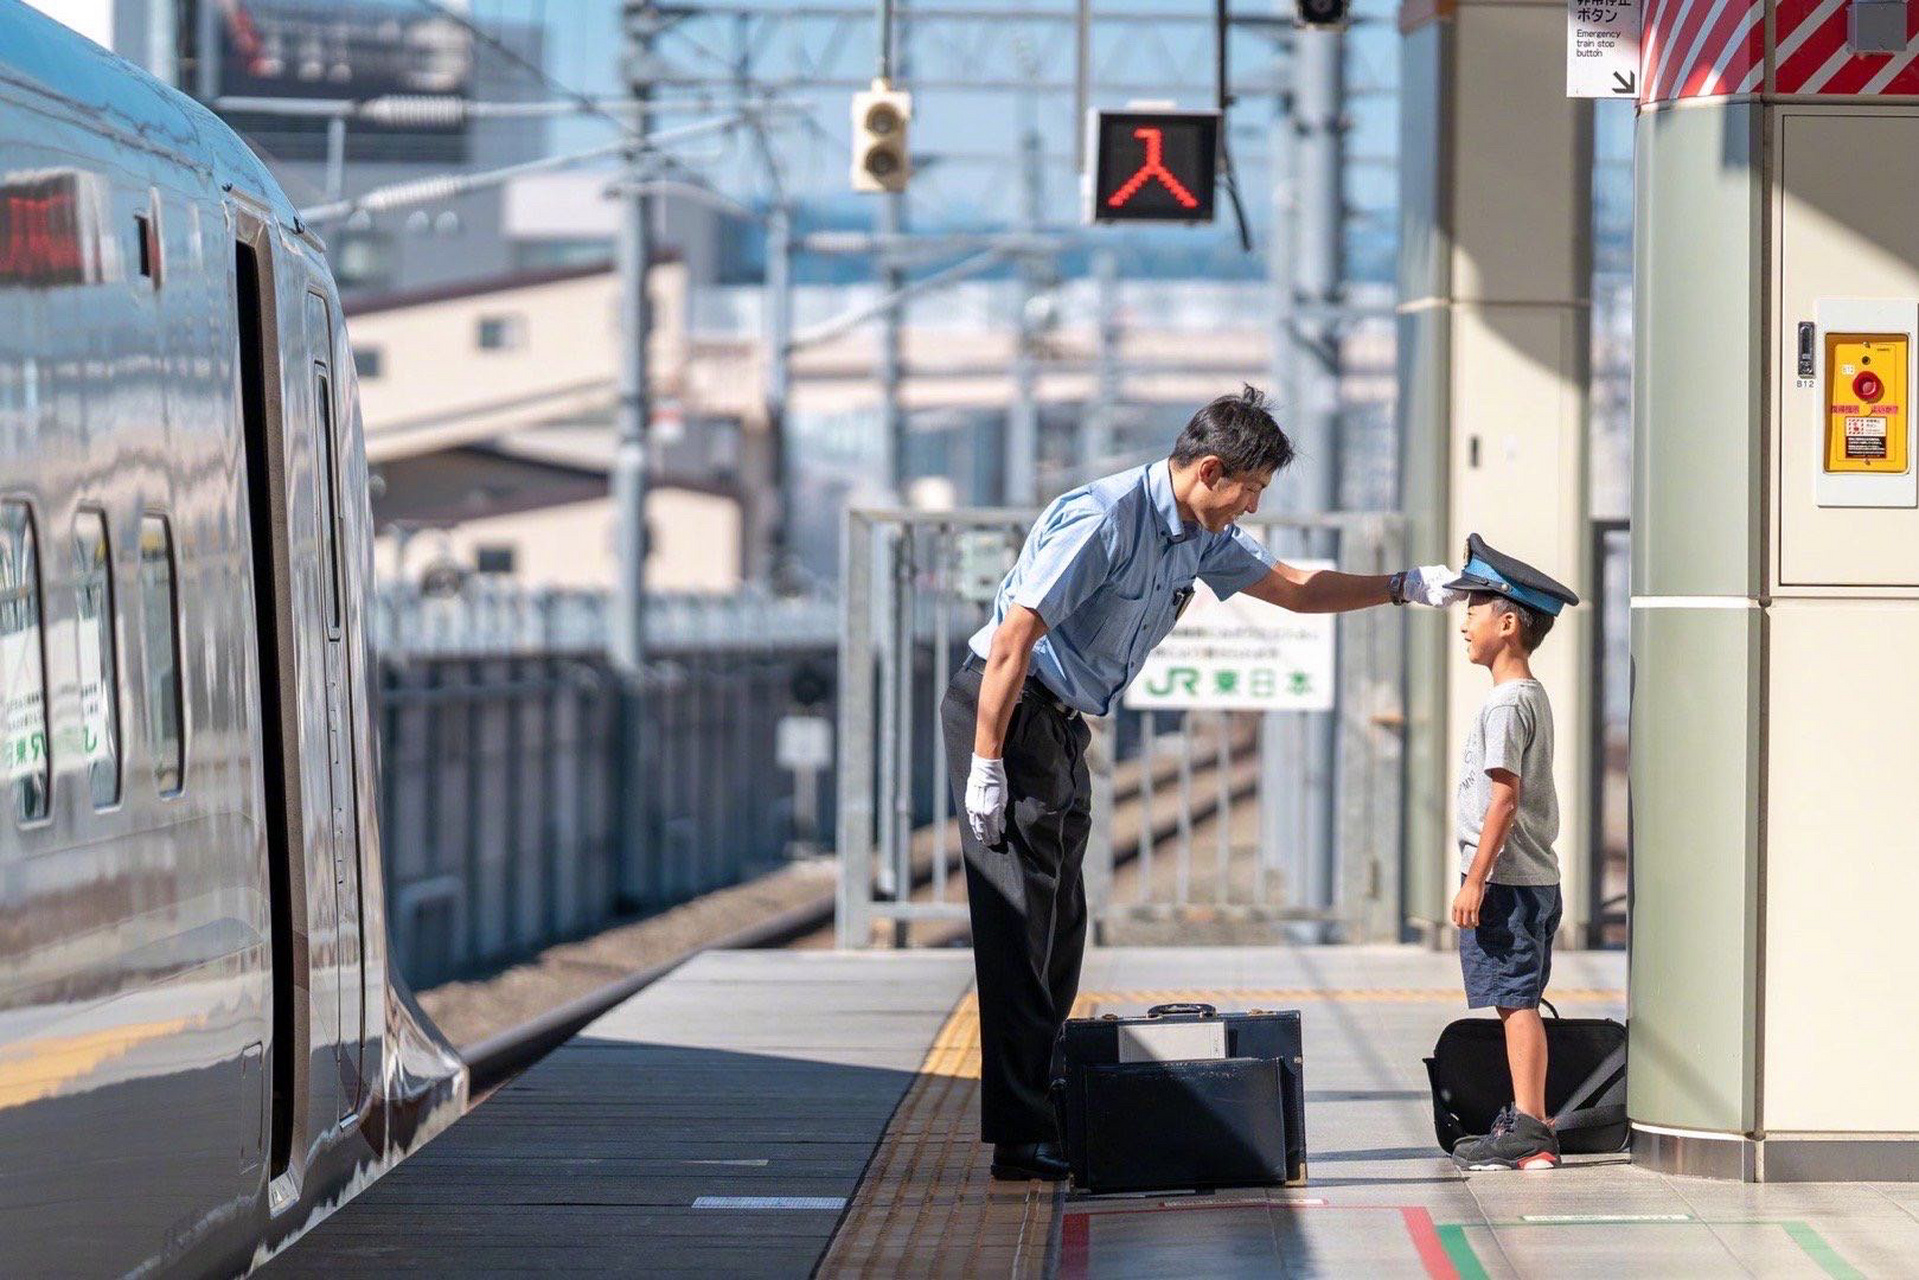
(1034, 688)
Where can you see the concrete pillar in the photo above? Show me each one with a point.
(1494, 317)
(1775, 615)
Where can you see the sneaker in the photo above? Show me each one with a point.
(1527, 1144)
(1502, 1124)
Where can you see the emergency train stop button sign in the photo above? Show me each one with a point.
(1866, 402)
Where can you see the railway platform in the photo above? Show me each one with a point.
(767, 1113)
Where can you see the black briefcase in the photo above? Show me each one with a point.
(1183, 1098)
(1585, 1081)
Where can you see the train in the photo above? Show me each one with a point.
(204, 1047)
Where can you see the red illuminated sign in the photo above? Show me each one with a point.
(1152, 166)
(41, 238)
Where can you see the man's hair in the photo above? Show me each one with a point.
(1239, 431)
(1533, 625)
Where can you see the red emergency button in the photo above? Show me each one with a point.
(1867, 386)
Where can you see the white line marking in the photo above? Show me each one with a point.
(1805, 30)
(1669, 54)
(1886, 73)
(1606, 1217)
(1820, 78)
(1683, 71)
(834, 1203)
(738, 1164)
(1735, 45)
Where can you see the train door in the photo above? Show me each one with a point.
(257, 326)
(341, 811)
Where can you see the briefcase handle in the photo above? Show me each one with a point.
(1203, 1010)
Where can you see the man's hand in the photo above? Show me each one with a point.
(986, 800)
(1466, 903)
(1427, 585)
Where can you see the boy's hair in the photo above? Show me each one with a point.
(1239, 431)
(1533, 625)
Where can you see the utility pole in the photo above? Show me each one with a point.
(1282, 734)
(892, 280)
(777, 326)
(892, 221)
(1319, 104)
(1096, 425)
(206, 50)
(628, 639)
(1021, 463)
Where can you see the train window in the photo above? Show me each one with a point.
(93, 636)
(160, 630)
(23, 666)
(323, 397)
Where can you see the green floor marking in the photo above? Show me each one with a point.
(1822, 1253)
(1452, 1238)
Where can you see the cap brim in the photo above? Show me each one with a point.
(1467, 582)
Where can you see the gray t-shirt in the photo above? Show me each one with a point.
(1514, 732)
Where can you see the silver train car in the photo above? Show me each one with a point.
(203, 1049)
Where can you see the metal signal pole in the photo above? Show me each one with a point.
(628, 638)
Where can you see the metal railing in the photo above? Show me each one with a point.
(1215, 836)
(514, 815)
(497, 615)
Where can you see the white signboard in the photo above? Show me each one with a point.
(803, 742)
(23, 748)
(1602, 49)
(1240, 654)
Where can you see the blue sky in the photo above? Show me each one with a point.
(979, 131)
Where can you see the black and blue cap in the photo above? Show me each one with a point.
(1499, 574)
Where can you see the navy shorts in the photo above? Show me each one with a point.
(1509, 957)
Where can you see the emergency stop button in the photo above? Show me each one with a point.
(1867, 386)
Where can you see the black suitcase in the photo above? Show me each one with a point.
(1585, 1081)
(1185, 1098)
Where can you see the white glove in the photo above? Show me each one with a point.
(1427, 585)
(986, 800)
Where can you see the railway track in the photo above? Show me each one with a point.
(804, 922)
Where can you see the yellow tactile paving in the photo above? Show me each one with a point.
(927, 1206)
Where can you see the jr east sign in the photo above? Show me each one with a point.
(1239, 655)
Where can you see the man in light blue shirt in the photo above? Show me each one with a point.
(1100, 581)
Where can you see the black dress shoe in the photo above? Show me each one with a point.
(1022, 1161)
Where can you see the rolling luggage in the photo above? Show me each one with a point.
(1585, 1081)
(1183, 1098)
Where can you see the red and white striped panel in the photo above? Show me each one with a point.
(1701, 48)
(1712, 48)
(1811, 55)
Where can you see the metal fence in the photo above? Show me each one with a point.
(495, 615)
(523, 803)
(1201, 818)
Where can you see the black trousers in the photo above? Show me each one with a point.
(1027, 900)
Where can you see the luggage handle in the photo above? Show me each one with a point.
(1203, 1010)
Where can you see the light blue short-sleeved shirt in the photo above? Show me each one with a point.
(1104, 568)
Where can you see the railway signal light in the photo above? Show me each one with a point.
(880, 119)
(1322, 13)
(1151, 165)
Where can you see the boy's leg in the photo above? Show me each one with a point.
(1526, 1057)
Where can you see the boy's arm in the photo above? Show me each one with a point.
(1500, 811)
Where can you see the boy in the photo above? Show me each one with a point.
(1507, 909)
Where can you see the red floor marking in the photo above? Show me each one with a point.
(1076, 1231)
(1075, 1240)
(1419, 1225)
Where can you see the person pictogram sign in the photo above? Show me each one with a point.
(1153, 166)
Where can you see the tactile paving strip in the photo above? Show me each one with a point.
(927, 1206)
